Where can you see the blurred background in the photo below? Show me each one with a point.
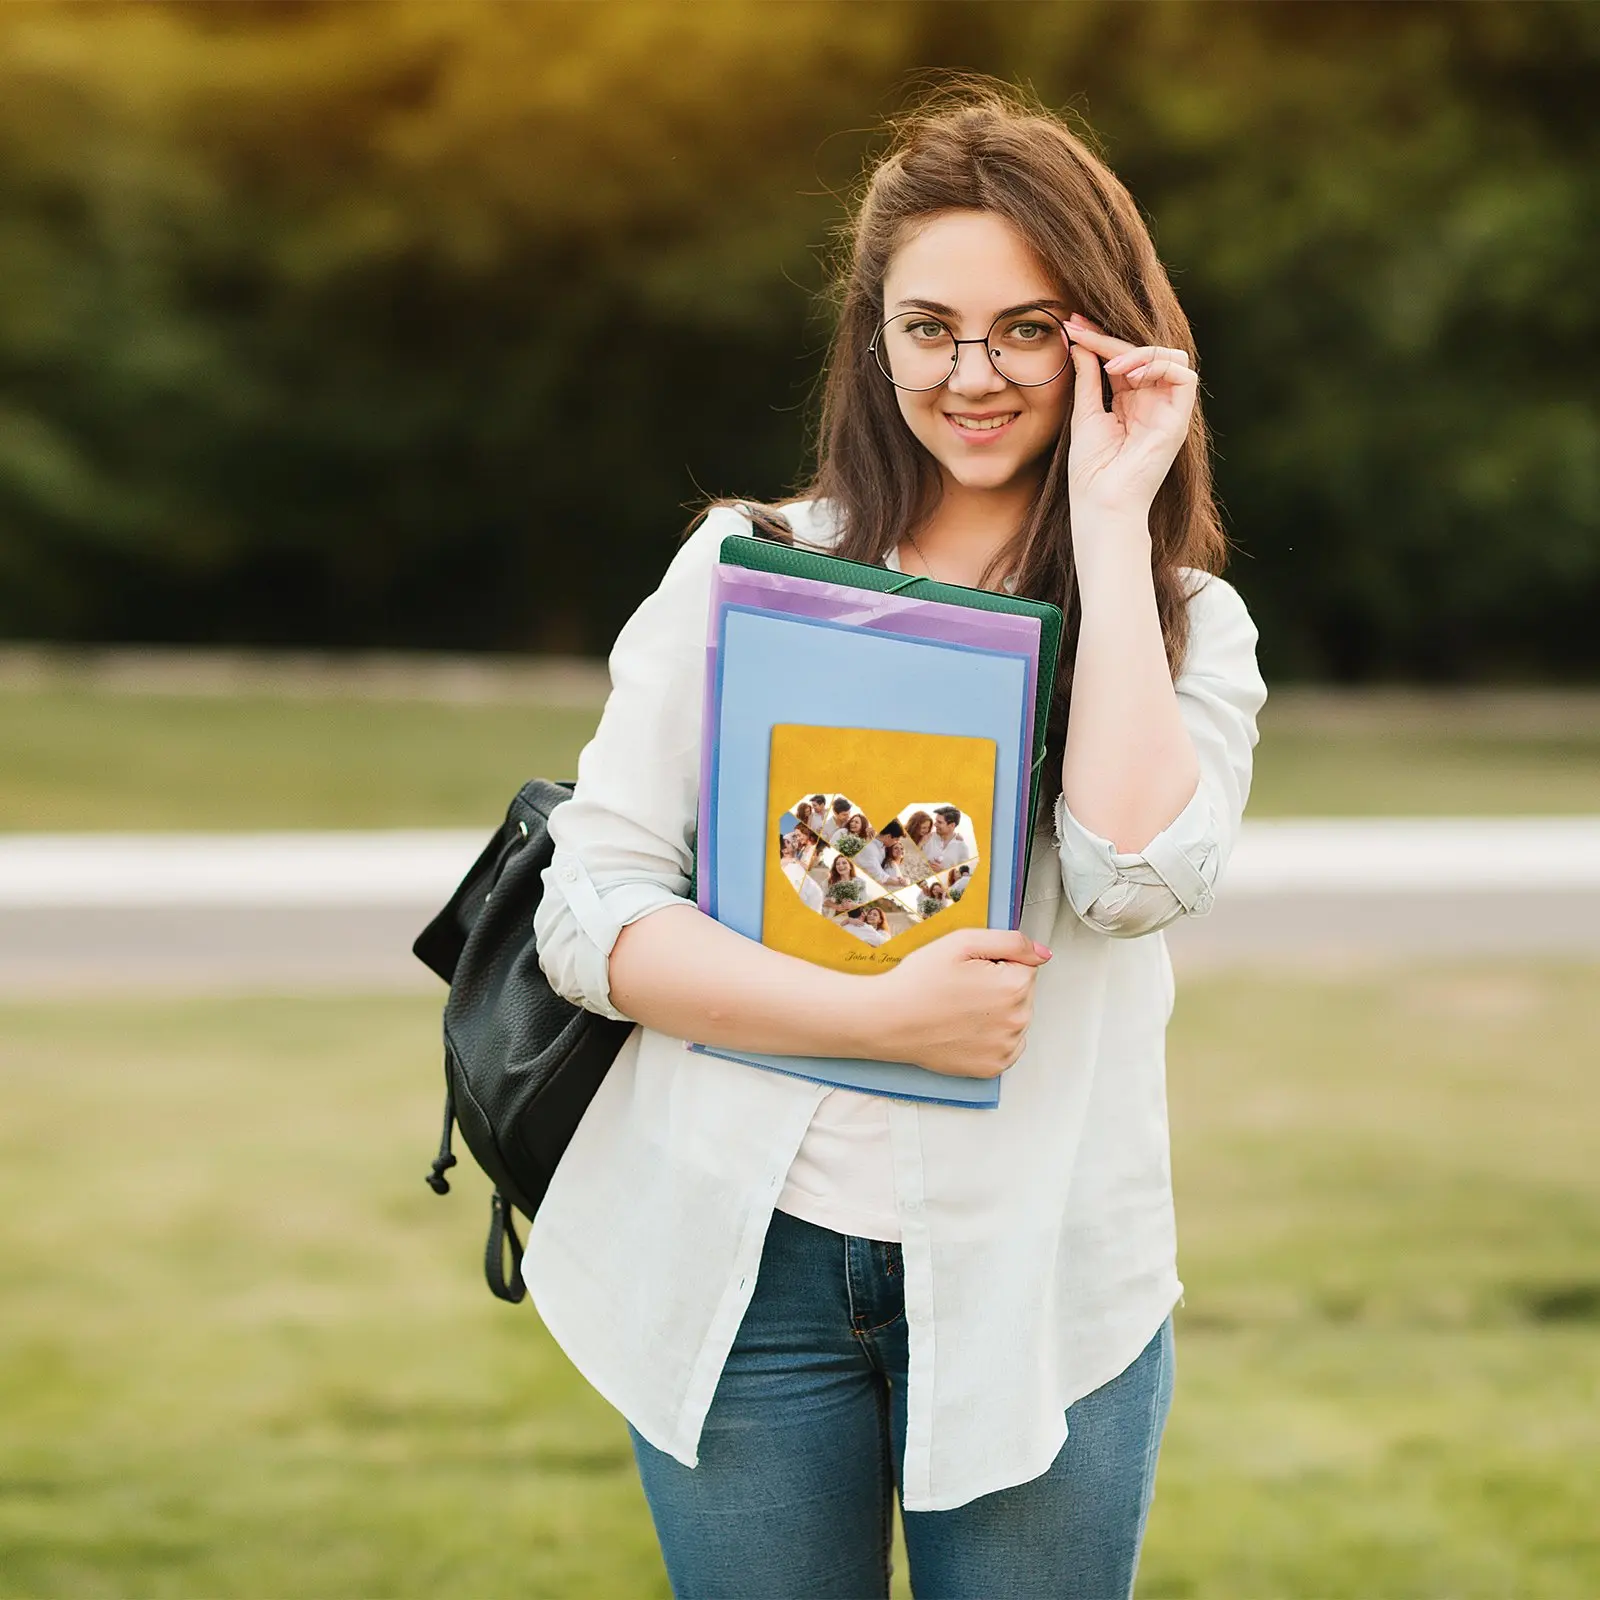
(360, 367)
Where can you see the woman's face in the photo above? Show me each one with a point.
(966, 267)
(858, 826)
(843, 867)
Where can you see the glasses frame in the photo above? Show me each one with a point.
(875, 349)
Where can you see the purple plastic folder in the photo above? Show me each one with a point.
(862, 608)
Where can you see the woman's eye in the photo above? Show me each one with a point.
(927, 330)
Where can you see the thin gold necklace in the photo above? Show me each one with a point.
(920, 557)
(1005, 583)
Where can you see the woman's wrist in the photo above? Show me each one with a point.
(1108, 549)
(867, 1033)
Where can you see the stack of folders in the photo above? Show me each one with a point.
(870, 764)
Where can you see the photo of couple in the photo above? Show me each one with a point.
(875, 882)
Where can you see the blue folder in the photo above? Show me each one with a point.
(767, 670)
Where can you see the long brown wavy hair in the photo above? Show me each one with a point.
(978, 145)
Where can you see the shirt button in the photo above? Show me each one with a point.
(569, 873)
(913, 1205)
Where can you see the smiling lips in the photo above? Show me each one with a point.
(986, 424)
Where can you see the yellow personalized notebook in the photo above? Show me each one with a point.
(877, 842)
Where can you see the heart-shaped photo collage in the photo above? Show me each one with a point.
(876, 880)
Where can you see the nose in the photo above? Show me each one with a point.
(974, 373)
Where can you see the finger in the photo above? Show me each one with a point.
(1088, 398)
(1103, 344)
(1146, 354)
(1021, 986)
(1163, 371)
(1001, 944)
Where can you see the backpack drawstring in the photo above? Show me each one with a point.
(445, 1159)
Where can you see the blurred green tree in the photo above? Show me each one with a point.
(381, 324)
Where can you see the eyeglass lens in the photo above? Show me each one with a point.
(915, 350)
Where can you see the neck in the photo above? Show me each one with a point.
(969, 527)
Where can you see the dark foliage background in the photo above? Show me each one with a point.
(421, 323)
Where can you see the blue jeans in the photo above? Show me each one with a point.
(802, 1447)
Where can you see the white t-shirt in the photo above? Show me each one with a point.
(839, 1178)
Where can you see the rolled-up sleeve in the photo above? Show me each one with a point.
(624, 843)
(1220, 693)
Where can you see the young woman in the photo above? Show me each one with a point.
(868, 924)
(918, 826)
(795, 862)
(843, 891)
(891, 864)
(804, 1301)
(915, 864)
(856, 827)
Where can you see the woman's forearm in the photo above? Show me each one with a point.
(682, 974)
(1130, 766)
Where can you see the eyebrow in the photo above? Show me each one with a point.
(939, 309)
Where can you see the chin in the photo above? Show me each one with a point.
(985, 474)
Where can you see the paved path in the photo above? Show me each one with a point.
(117, 913)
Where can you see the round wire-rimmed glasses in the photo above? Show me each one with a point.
(917, 351)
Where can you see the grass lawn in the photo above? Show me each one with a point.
(1322, 754)
(248, 1355)
(79, 758)
(76, 759)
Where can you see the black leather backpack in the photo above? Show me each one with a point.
(520, 1063)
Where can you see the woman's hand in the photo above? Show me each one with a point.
(1129, 766)
(1117, 459)
(963, 1003)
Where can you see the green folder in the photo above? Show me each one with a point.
(765, 555)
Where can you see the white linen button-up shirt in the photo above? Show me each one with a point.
(1038, 1238)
